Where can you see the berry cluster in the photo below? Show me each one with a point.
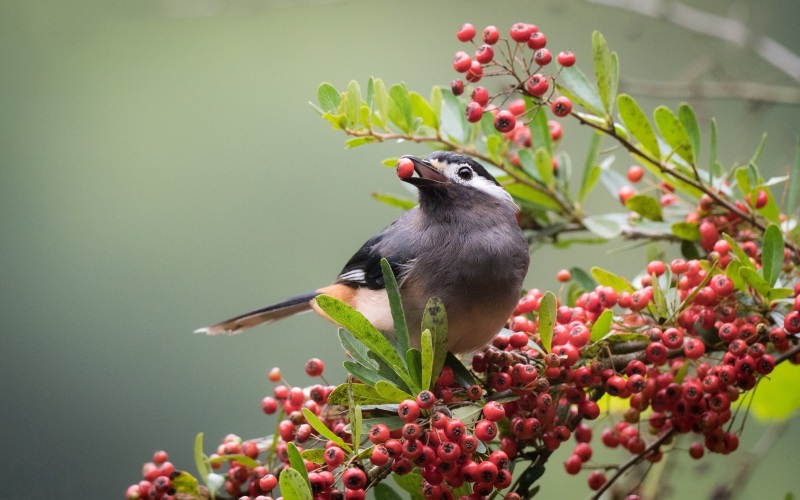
(156, 480)
(524, 57)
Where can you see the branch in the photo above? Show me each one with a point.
(723, 28)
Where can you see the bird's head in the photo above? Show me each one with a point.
(445, 172)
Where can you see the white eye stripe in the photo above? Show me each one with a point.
(477, 181)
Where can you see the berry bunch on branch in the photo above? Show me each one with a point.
(681, 346)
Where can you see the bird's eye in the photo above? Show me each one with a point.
(465, 173)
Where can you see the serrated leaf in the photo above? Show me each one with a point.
(396, 306)
(395, 201)
(604, 71)
(772, 254)
(293, 486)
(755, 280)
(573, 84)
(328, 98)
(540, 132)
(434, 318)
(323, 429)
(410, 483)
(544, 165)
(602, 226)
(362, 395)
(601, 326)
(647, 207)
(185, 483)
(200, 459)
(400, 109)
(689, 122)
(453, 124)
(360, 328)
(638, 125)
(385, 492)
(423, 110)
(391, 393)
(607, 278)
(426, 360)
(673, 133)
(316, 455)
(547, 319)
(689, 231)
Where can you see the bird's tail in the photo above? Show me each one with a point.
(290, 307)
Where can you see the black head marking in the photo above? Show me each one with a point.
(450, 157)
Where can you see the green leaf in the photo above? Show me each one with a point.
(356, 349)
(772, 254)
(200, 459)
(414, 363)
(381, 104)
(540, 132)
(602, 226)
(582, 278)
(396, 306)
(296, 462)
(410, 483)
(605, 71)
(548, 310)
(528, 164)
(591, 172)
(393, 422)
(362, 395)
(395, 201)
(743, 180)
(607, 278)
(460, 372)
(401, 114)
(673, 133)
(573, 84)
(316, 455)
(370, 376)
(526, 194)
(689, 122)
(391, 393)
(360, 328)
(370, 94)
(293, 486)
(544, 165)
(638, 125)
(452, 121)
(468, 414)
(779, 293)
(759, 149)
(353, 104)
(323, 429)
(328, 98)
(358, 141)
(647, 207)
(794, 183)
(689, 231)
(423, 110)
(434, 318)
(385, 492)
(355, 426)
(601, 326)
(755, 280)
(738, 252)
(185, 483)
(713, 169)
(427, 360)
(659, 299)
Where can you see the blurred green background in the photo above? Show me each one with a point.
(160, 170)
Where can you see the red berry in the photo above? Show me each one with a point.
(275, 375)
(505, 121)
(268, 482)
(314, 366)
(596, 480)
(454, 429)
(561, 106)
(556, 131)
(466, 33)
(160, 457)
(480, 95)
(380, 455)
(517, 107)
(494, 411)
(474, 112)
(457, 87)
(537, 40)
(520, 32)
(484, 54)
(583, 451)
(573, 464)
(485, 430)
(334, 456)
(490, 35)
(542, 57)
(566, 58)
(537, 85)
(425, 399)
(625, 193)
(635, 173)
(462, 62)
(475, 72)
(354, 479)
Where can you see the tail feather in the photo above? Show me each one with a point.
(275, 312)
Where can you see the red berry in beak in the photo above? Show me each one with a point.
(405, 168)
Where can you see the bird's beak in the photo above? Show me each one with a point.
(429, 176)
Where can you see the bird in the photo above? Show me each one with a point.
(461, 243)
